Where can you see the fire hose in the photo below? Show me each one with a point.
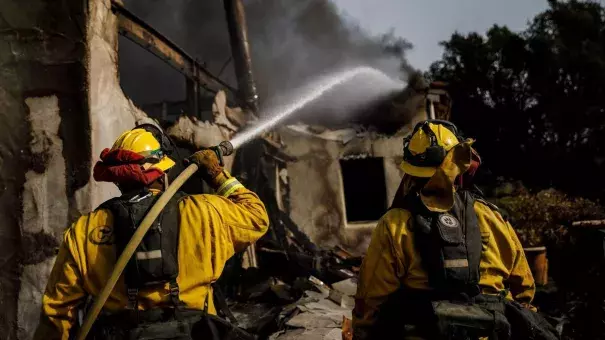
(223, 149)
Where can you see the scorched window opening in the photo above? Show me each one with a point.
(364, 186)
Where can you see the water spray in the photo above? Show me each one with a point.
(278, 114)
(320, 88)
(225, 148)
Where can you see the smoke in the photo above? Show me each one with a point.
(306, 98)
(292, 42)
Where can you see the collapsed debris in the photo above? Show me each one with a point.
(297, 292)
(290, 288)
(305, 308)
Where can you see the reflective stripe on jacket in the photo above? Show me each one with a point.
(212, 229)
(392, 262)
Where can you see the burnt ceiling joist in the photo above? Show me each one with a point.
(141, 33)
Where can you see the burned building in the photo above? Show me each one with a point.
(341, 177)
(63, 104)
(326, 176)
(341, 182)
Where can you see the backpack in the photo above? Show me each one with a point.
(450, 248)
(155, 261)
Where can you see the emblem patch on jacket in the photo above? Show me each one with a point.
(101, 235)
(449, 220)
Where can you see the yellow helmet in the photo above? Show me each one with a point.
(425, 149)
(143, 143)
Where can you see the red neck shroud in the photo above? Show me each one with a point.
(466, 178)
(123, 167)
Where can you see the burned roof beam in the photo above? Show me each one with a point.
(141, 33)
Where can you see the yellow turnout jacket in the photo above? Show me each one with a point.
(392, 262)
(212, 229)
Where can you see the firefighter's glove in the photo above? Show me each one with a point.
(209, 165)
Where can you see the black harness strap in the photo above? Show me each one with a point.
(133, 298)
(176, 301)
(221, 303)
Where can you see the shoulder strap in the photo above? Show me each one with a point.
(478, 196)
(117, 205)
(489, 204)
(171, 213)
(111, 204)
(474, 245)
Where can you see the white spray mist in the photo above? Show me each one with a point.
(315, 91)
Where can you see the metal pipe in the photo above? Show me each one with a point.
(240, 49)
(193, 97)
(431, 108)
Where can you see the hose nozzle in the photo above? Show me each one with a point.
(225, 148)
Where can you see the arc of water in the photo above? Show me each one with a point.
(323, 85)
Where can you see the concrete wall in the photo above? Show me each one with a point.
(61, 105)
(44, 146)
(316, 189)
(48, 207)
(111, 112)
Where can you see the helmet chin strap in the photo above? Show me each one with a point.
(166, 181)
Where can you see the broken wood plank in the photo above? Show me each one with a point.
(141, 33)
(589, 223)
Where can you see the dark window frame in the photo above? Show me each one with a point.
(364, 189)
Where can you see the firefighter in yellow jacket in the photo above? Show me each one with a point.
(442, 261)
(179, 258)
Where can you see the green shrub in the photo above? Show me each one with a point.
(533, 215)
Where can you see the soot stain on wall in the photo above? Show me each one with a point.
(41, 54)
(329, 220)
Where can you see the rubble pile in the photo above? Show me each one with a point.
(293, 294)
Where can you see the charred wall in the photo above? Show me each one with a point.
(44, 146)
(61, 104)
(316, 187)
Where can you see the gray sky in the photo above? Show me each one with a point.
(427, 22)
